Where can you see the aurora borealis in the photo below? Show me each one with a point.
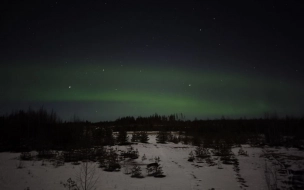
(107, 59)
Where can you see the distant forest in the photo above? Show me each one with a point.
(42, 130)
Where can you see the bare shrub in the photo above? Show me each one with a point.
(87, 177)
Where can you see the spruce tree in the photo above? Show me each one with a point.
(162, 137)
(122, 137)
(202, 152)
(144, 137)
(135, 136)
(108, 138)
(136, 172)
(159, 172)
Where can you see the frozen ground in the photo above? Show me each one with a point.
(180, 174)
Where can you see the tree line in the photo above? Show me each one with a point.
(39, 130)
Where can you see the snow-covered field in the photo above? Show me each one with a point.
(258, 170)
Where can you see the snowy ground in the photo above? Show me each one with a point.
(180, 174)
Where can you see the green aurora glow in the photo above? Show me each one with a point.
(129, 89)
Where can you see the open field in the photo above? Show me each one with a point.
(263, 168)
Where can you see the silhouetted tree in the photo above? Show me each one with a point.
(109, 138)
(162, 136)
(122, 137)
(144, 137)
(135, 136)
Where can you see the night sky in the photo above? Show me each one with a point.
(100, 60)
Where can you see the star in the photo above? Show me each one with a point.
(189, 85)
(70, 86)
